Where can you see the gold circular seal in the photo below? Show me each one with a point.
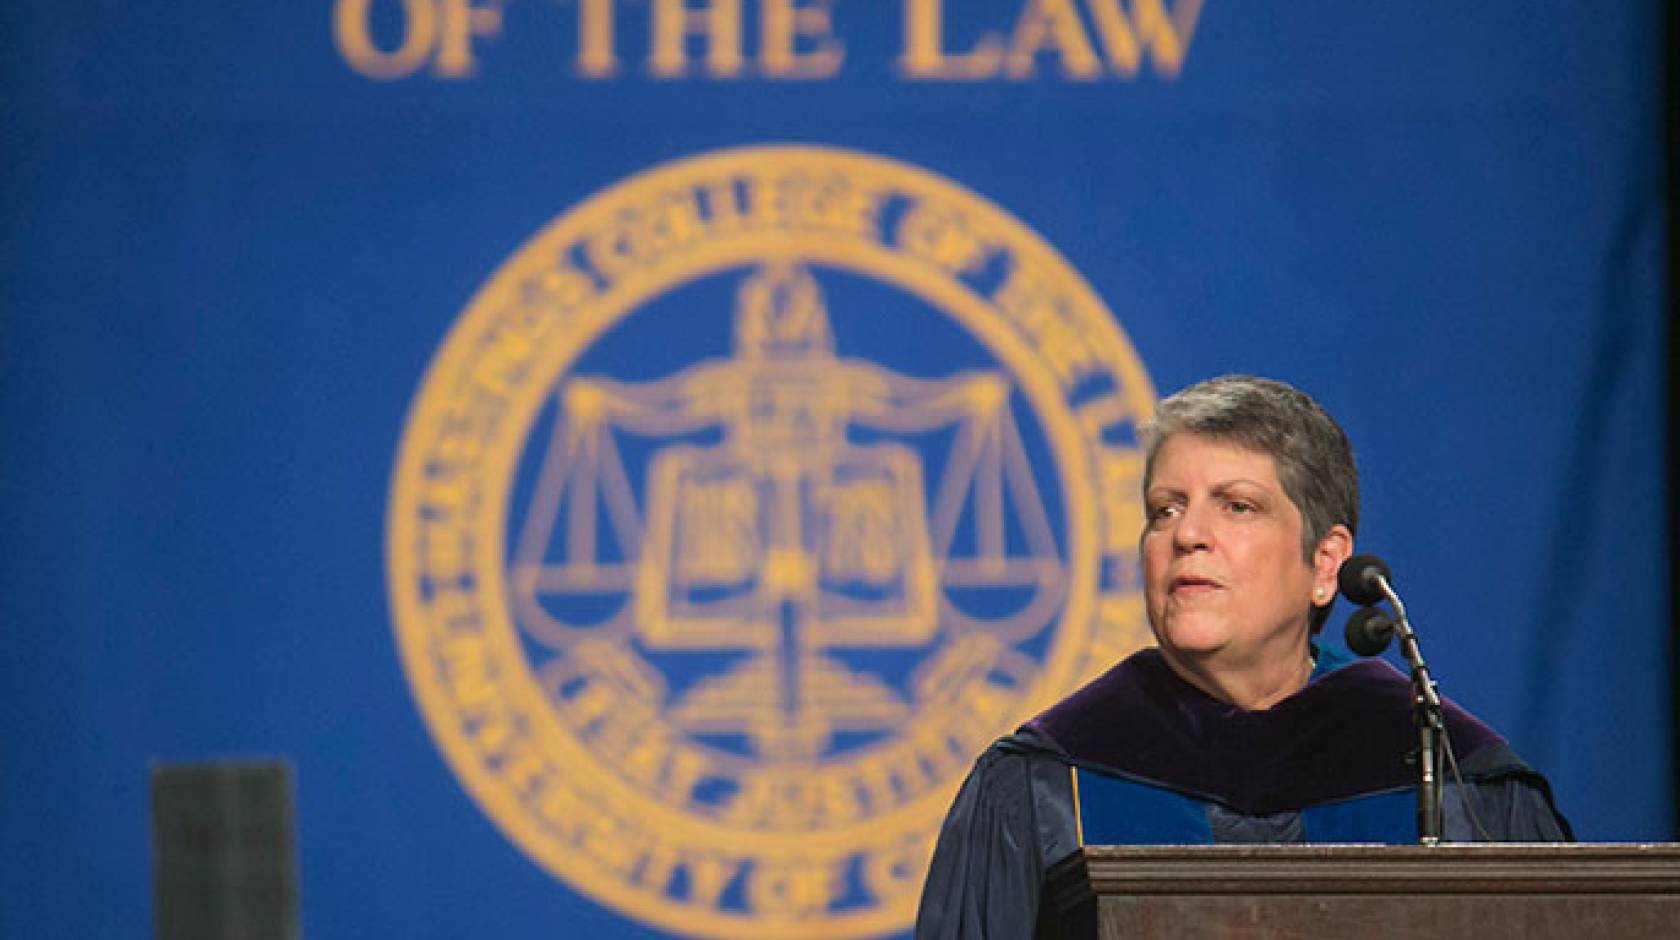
(741, 508)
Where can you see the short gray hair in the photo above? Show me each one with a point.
(1313, 458)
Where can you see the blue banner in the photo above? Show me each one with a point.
(629, 456)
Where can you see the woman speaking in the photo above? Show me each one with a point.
(1236, 727)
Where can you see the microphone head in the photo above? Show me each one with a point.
(1368, 631)
(1358, 579)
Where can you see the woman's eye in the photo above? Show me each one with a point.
(1241, 507)
(1162, 511)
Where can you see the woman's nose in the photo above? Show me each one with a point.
(1194, 529)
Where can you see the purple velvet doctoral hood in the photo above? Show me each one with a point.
(1349, 732)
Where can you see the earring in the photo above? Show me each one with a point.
(1318, 593)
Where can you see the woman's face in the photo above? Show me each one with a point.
(1223, 574)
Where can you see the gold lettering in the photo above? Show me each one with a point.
(795, 799)
(608, 250)
(924, 56)
(1054, 25)
(683, 774)
(675, 220)
(912, 774)
(673, 22)
(564, 808)
(523, 768)
(560, 287)
(588, 706)
(467, 673)
(1119, 485)
(1059, 342)
(491, 734)
(646, 753)
(1167, 36)
(944, 238)
(459, 446)
(453, 611)
(708, 875)
(640, 235)
(764, 201)
(469, 418)
(459, 21)
(781, 23)
(1040, 309)
(873, 781)
(503, 358)
(448, 497)
(446, 27)
(608, 839)
(443, 551)
(835, 204)
(840, 800)
(354, 39)
(897, 871)
(501, 363)
(456, 447)
(938, 753)
(796, 39)
(646, 757)
(882, 781)
(596, 55)
(791, 888)
(657, 866)
(1120, 44)
(924, 760)
(723, 207)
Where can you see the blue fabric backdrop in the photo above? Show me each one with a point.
(231, 243)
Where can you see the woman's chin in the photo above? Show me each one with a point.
(1193, 638)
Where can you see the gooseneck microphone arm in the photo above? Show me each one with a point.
(1426, 706)
(1364, 579)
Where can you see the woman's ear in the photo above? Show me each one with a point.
(1334, 547)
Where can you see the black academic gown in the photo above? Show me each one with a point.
(1139, 756)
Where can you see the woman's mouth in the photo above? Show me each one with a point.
(1192, 584)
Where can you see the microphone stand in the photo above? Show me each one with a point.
(1426, 711)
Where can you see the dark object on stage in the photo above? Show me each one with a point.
(223, 857)
(1491, 892)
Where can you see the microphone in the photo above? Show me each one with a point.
(1368, 631)
(1365, 580)
(1362, 579)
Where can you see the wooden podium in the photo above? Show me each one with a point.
(1485, 891)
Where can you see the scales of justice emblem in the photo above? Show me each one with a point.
(716, 646)
(785, 539)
